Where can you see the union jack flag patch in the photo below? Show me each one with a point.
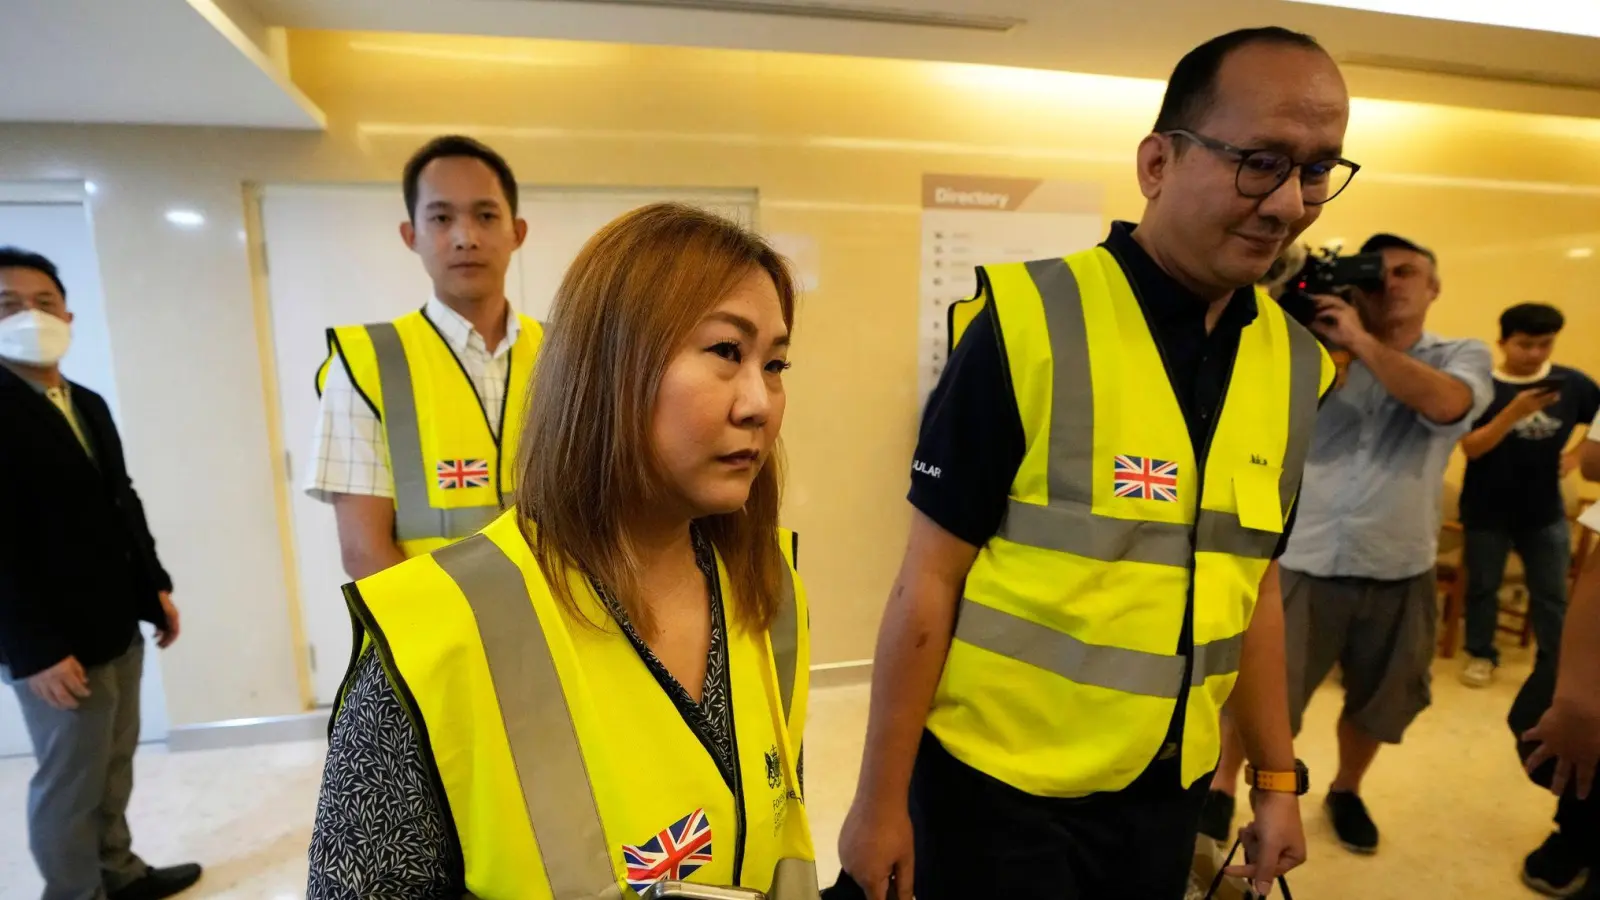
(462, 473)
(672, 855)
(1143, 478)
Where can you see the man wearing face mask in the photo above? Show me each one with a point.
(1358, 581)
(1105, 474)
(78, 572)
(419, 417)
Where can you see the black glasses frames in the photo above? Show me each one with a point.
(1261, 172)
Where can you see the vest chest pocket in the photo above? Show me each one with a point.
(1255, 491)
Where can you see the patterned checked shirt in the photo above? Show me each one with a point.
(381, 831)
(349, 442)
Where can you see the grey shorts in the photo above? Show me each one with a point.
(1381, 633)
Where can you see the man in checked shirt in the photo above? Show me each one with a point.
(414, 443)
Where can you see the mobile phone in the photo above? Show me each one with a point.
(683, 890)
(1551, 383)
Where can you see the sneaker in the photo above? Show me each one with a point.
(1216, 817)
(1478, 672)
(1555, 869)
(1355, 828)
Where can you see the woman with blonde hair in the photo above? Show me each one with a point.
(606, 688)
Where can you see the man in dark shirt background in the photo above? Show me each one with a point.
(1511, 496)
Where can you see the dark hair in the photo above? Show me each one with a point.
(18, 258)
(1531, 319)
(1191, 91)
(455, 145)
(632, 295)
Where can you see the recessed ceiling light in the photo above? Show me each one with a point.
(185, 218)
(91, 188)
(1580, 253)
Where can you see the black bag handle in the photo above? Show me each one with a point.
(1216, 882)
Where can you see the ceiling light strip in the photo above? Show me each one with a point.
(1469, 70)
(839, 12)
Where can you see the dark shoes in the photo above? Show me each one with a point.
(1216, 817)
(1351, 823)
(158, 884)
(1557, 868)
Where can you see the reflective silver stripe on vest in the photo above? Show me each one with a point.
(545, 750)
(1305, 393)
(1219, 657)
(1072, 527)
(794, 879)
(1114, 668)
(544, 744)
(1068, 523)
(1071, 425)
(785, 638)
(415, 518)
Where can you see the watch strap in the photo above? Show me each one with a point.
(1294, 782)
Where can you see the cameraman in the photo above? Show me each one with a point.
(1358, 579)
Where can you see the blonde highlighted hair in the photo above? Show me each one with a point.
(631, 298)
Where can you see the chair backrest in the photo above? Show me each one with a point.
(1572, 495)
(1583, 540)
(1450, 537)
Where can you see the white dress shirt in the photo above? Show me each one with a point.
(349, 444)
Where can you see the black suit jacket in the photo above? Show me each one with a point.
(78, 567)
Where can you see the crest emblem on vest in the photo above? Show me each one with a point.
(1143, 478)
(462, 473)
(672, 855)
(774, 768)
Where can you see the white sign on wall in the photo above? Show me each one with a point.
(974, 220)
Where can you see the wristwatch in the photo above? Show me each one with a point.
(1296, 782)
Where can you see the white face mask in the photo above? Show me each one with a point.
(34, 338)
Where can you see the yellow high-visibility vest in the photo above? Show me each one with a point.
(561, 758)
(452, 472)
(1064, 673)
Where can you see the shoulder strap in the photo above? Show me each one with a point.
(552, 774)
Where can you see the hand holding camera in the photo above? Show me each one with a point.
(1338, 322)
(1311, 284)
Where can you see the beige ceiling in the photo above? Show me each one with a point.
(170, 62)
(1385, 56)
(221, 62)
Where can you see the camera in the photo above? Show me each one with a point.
(1320, 272)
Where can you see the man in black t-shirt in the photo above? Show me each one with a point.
(1511, 497)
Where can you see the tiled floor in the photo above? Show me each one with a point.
(1456, 813)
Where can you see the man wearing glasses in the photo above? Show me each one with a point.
(1358, 577)
(1105, 474)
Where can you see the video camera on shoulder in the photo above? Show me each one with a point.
(1322, 271)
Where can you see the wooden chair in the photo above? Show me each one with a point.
(1451, 573)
